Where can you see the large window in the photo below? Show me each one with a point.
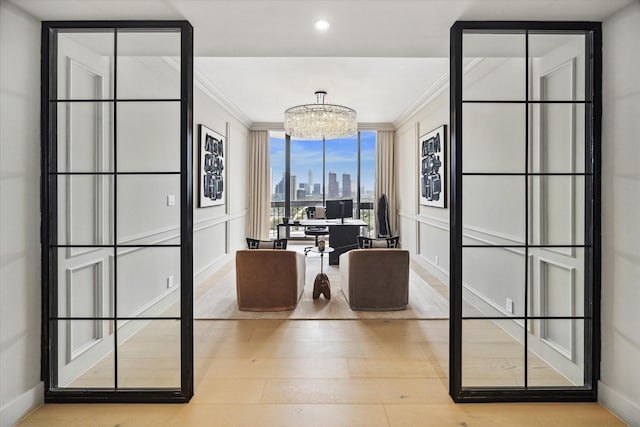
(310, 172)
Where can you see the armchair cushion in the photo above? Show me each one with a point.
(269, 279)
(375, 279)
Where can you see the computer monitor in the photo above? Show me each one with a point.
(339, 209)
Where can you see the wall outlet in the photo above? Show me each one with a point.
(169, 281)
(509, 306)
(437, 260)
(171, 200)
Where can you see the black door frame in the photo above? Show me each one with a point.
(592, 244)
(48, 208)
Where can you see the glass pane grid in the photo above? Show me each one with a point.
(537, 374)
(112, 372)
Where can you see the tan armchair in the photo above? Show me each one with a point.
(269, 279)
(375, 279)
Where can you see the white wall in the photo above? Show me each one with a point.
(424, 230)
(620, 377)
(20, 385)
(219, 230)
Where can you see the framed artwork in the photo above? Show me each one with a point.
(432, 148)
(211, 167)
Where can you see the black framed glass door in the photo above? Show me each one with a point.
(525, 215)
(117, 210)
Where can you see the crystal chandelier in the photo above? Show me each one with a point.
(311, 121)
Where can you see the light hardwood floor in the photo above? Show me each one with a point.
(313, 373)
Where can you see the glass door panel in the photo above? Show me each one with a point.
(117, 211)
(525, 197)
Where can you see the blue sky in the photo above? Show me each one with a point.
(341, 158)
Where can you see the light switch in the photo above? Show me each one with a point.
(171, 200)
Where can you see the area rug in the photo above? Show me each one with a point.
(215, 298)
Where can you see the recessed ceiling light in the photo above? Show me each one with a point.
(322, 25)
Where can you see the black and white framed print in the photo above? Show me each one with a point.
(432, 154)
(212, 166)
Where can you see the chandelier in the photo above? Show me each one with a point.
(311, 121)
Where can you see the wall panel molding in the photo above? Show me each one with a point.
(73, 349)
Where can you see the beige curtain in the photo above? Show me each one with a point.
(385, 182)
(259, 196)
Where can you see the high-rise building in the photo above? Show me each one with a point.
(310, 182)
(333, 186)
(293, 186)
(316, 189)
(301, 193)
(346, 185)
(278, 191)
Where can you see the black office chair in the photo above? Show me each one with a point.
(315, 212)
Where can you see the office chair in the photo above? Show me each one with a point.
(315, 212)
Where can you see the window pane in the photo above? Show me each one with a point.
(148, 209)
(341, 166)
(85, 63)
(306, 176)
(85, 282)
(494, 66)
(367, 178)
(149, 137)
(557, 64)
(85, 137)
(492, 353)
(148, 282)
(85, 353)
(493, 209)
(277, 159)
(493, 137)
(558, 140)
(493, 282)
(149, 354)
(148, 64)
(557, 210)
(556, 283)
(85, 210)
(556, 353)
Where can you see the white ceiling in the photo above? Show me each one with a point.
(379, 57)
(379, 89)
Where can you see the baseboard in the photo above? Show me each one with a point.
(440, 273)
(620, 405)
(209, 269)
(21, 406)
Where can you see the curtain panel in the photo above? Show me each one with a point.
(259, 195)
(385, 175)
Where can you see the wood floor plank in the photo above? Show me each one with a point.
(278, 368)
(280, 416)
(355, 391)
(321, 373)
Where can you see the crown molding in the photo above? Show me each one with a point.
(435, 90)
(209, 89)
(217, 96)
(276, 126)
(279, 126)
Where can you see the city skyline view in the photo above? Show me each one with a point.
(341, 159)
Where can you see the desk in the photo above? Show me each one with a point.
(343, 236)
